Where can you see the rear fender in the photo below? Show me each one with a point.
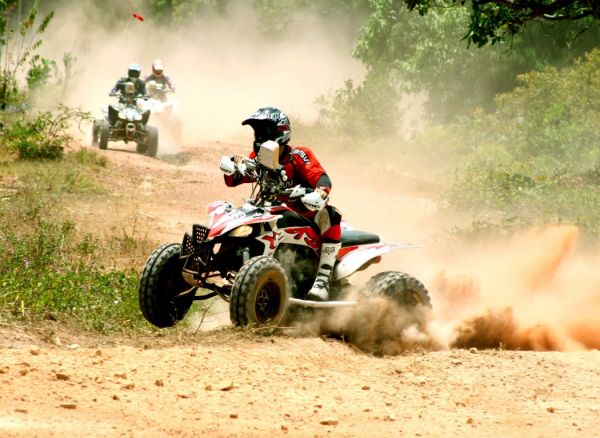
(363, 255)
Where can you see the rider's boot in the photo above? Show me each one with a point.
(320, 289)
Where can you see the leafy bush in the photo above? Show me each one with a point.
(44, 136)
(535, 157)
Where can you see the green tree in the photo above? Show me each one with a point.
(492, 21)
(429, 54)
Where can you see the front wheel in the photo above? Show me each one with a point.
(152, 147)
(103, 131)
(259, 294)
(161, 291)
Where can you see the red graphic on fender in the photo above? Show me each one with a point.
(311, 238)
(271, 239)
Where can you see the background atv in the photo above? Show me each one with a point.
(126, 121)
(165, 110)
(262, 257)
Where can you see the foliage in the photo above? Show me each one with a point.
(49, 274)
(18, 43)
(364, 112)
(429, 55)
(50, 267)
(43, 136)
(534, 157)
(491, 21)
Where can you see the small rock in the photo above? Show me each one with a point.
(284, 427)
(183, 395)
(208, 387)
(21, 411)
(61, 376)
(473, 350)
(34, 350)
(98, 353)
(4, 370)
(470, 420)
(116, 397)
(121, 375)
(233, 415)
(389, 417)
(159, 382)
(128, 386)
(366, 387)
(23, 372)
(329, 422)
(226, 386)
(550, 409)
(68, 405)
(456, 362)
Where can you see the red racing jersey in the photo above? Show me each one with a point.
(300, 165)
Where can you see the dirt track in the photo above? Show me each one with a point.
(231, 383)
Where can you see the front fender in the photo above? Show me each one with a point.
(357, 258)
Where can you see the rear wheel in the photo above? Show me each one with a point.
(161, 297)
(404, 289)
(260, 293)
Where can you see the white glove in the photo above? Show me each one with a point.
(298, 191)
(313, 201)
(227, 166)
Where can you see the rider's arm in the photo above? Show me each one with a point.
(236, 179)
(115, 88)
(170, 83)
(309, 169)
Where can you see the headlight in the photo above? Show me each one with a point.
(241, 231)
(122, 115)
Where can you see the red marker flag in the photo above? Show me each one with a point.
(137, 17)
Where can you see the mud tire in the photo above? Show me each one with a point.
(103, 131)
(160, 282)
(95, 131)
(152, 146)
(260, 293)
(404, 289)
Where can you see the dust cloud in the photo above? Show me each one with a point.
(224, 67)
(534, 292)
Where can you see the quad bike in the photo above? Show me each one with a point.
(126, 121)
(262, 258)
(164, 109)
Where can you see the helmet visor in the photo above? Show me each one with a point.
(133, 74)
(264, 132)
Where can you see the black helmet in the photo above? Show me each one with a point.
(269, 124)
(134, 71)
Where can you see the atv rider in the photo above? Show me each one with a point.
(133, 76)
(159, 77)
(302, 168)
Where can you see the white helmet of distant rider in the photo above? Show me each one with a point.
(133, 71)
(157, 68)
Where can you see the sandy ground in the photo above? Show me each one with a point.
(231, 383)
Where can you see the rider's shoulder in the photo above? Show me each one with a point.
(302, 153)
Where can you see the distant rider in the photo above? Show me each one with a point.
(159, 77)
(302, 168)
(133, 75)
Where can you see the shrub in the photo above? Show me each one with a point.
(44, 136)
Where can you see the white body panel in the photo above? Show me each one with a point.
(357, 258)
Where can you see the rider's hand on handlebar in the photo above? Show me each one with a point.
(323, 192)
(237, 159)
